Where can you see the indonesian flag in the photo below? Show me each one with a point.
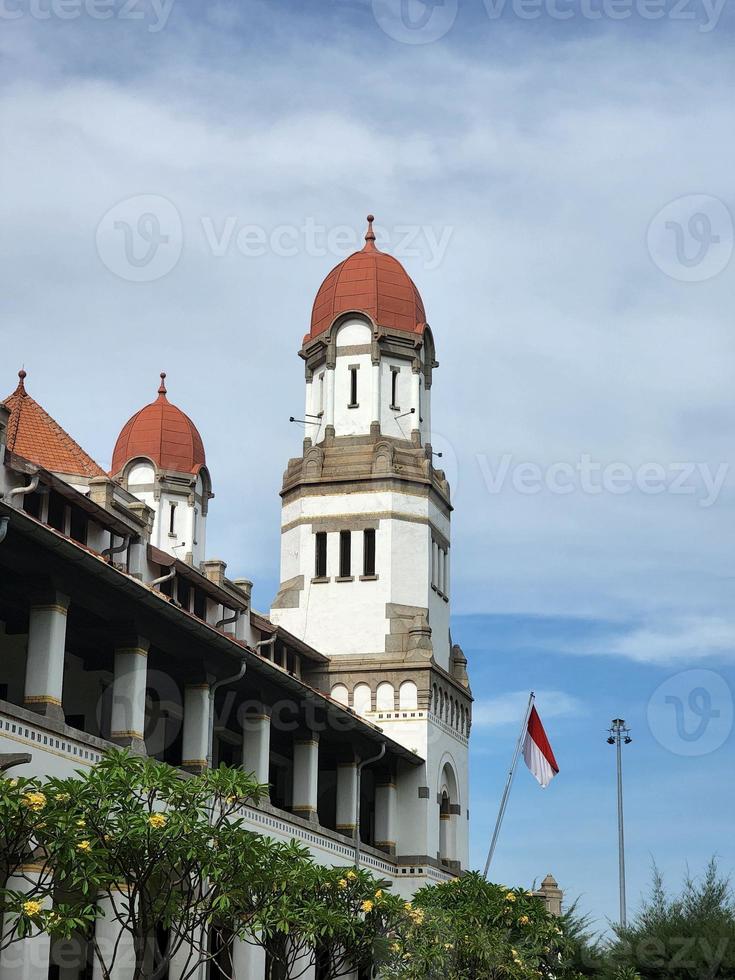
(537, 751)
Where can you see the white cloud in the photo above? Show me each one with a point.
(679, 641)
(508, 709)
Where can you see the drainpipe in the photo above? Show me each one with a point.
(164, 578)
(212, 691)
(22, 491)
(358, 780)
(112, 550)
(232, 619)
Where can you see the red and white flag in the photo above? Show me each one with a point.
(537, 751)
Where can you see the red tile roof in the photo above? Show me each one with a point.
(162, 433)
(374, 283)
(35, 436)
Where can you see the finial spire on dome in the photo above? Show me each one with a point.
(369, 234)
(162, 386)
(21, 389)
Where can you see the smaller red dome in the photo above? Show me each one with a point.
(162, 433)
(374, 283)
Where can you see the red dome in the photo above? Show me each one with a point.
(163, 433)
(371, 282)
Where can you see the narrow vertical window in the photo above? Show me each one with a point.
(321, 393)
(345, 554)
(171, 518)
(394, 388)
(195, 526)
(320, 561)
(368, 544)
(353, 387)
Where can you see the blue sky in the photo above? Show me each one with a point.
(560, 188)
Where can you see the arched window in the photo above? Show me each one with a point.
(340, 693)
(362, 699)
(408, 697)
(385, 697)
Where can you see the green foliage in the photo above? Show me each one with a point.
(469, 928)
(689, 936)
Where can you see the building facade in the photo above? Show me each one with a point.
(117, 629)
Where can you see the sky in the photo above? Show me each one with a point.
(556, 176)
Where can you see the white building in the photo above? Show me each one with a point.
(115, 628)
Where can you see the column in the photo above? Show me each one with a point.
(248, 961)
(256, 744)
(115, 943)
(329, 413)
(26, 959)
(434, 563)
(195, 735)
(127, 726)
(375, 426)
(386, 816)
(416, 403)
(185, 962)
(45, 660)
(306, 777)
(346, 798)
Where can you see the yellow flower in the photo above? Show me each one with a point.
(351, 875)
(81, 823)
(417, 915)
(448, 946)
(407, 906)
(367, 905)
(62, 797)
(34, 801)
(379, 893)
(157, 820)
(342, 883)
(84, 845)
(513, 952)
(510, 897)
(524, 920)
(32, 909)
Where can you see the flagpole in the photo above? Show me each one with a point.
(509, 782)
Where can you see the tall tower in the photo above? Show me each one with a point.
(365, 535)
(159, 457)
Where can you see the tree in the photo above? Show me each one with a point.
(156, 851)
(468, 929)
(689, 936)
(27, 883)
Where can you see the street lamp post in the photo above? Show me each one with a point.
(618, 736)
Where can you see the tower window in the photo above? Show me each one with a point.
(172, 518)
(320, 554)
(353, 387)
(321, 394)
(345, 554)
(368, 551)
(394, 372)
